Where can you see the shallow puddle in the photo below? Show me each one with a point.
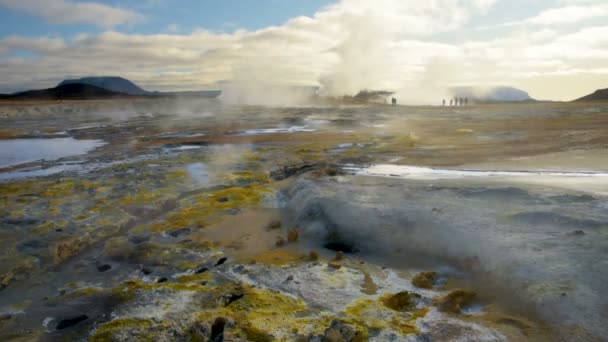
(21, 151)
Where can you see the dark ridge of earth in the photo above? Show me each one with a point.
(598, 95)
(67, 91)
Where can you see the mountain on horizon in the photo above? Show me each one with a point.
(598, 95)
(492, 94)
(112, 83)
(75, 91)
(125, 86)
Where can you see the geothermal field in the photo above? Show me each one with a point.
(195, 220)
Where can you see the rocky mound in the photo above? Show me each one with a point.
(66, 91)
(598, 95)
(111, 83)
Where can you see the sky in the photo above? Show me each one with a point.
(554, 49)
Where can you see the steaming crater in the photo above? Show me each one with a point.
(539, 250)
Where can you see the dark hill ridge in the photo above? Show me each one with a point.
(74, 91)
(112, 83)
(598, 95)
(125, 86)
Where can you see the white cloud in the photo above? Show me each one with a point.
(66, 12)
(354, 44)
(578, 12)
(569, 15)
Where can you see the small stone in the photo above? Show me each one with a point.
(232, 294)
(292, 235)
(162, 280)
(146, 271)
(223, 199)
(68, 322)
(425, 280)
(221, 261)
(137, 239)
(402, 301)
(455, 301)
(179, 232)
(339, 256)
(289, 278)
(68, 248)
(200, 270)
(313, 256)
(104, 268)
(274, 224)
(280, 241)
(577, 233)
(334, 264)
(339, 332)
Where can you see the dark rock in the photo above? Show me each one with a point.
(293, 235)
(402, 301)
(425, 280)
(231, 295)
(340, 246)
(334, 264)
(221, 261)
(68, 322)
(313, 256)
(577, 233)
(162, 280)
(292, 170)
(339, 332)
(201, 269)
(275, 224)
(179, 232)
(455, 301)
(146, 271)
(217, 330)
(104, 267)
(137, 239)
(20, 222)
(223, 199)
(31, 246)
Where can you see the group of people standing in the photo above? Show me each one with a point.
(457, 101)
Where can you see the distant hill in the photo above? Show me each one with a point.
(125, 86)
(101, 87)
(598, 95)
(112, 83)
(492, 94)
(75, 91)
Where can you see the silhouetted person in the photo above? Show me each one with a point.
(451, 102)
(455, 101)
(443, 103)
(394, 101)
(466, 101)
